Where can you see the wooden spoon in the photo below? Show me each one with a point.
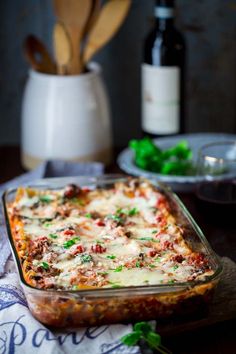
(74, 14)
(62, 48)
(96, 6)
(37, 55)
(111, 17)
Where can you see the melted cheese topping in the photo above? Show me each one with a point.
(124, 236)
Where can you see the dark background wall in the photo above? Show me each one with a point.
(210, 30)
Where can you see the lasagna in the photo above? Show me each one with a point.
(102, 237)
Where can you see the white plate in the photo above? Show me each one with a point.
(177, 183)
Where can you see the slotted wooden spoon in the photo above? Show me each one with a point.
(111, 17)
(62, 48)
(37, 55)
(74, 14)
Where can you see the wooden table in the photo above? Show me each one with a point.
(215, 339)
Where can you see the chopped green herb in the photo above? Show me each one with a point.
(171, 281)
(154, 231)
(130, 212)
(133, 212)
(158, 259)
(98, 242)
(175, 267)
(115, 218)
(75, 287)
(138, 265)
(88, 215)
(103, 273)
(46, 198)
(118, 269)
(114, 285)
(45, 265)
(120, 211)
(111, 256)
(47, 224)
(152, 266)
(86, 258)
(52, 235)
(70, 243)
(146, 238)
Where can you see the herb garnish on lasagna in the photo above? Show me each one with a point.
(77, 238)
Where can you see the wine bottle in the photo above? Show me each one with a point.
(163, 75)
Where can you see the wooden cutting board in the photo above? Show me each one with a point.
(222, 308)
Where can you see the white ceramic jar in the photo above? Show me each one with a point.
(66, 118)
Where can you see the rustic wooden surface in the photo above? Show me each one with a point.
(209, 335)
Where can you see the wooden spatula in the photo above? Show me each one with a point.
(74, 14)
(111, 17)
(37, 55)
(62, 48)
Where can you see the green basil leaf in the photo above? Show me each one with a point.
(143, 327)
(131, 338)
(153, 339)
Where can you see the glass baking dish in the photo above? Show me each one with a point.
(91, 307)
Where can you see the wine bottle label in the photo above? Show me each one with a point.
(160, 99)
(164, 12)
